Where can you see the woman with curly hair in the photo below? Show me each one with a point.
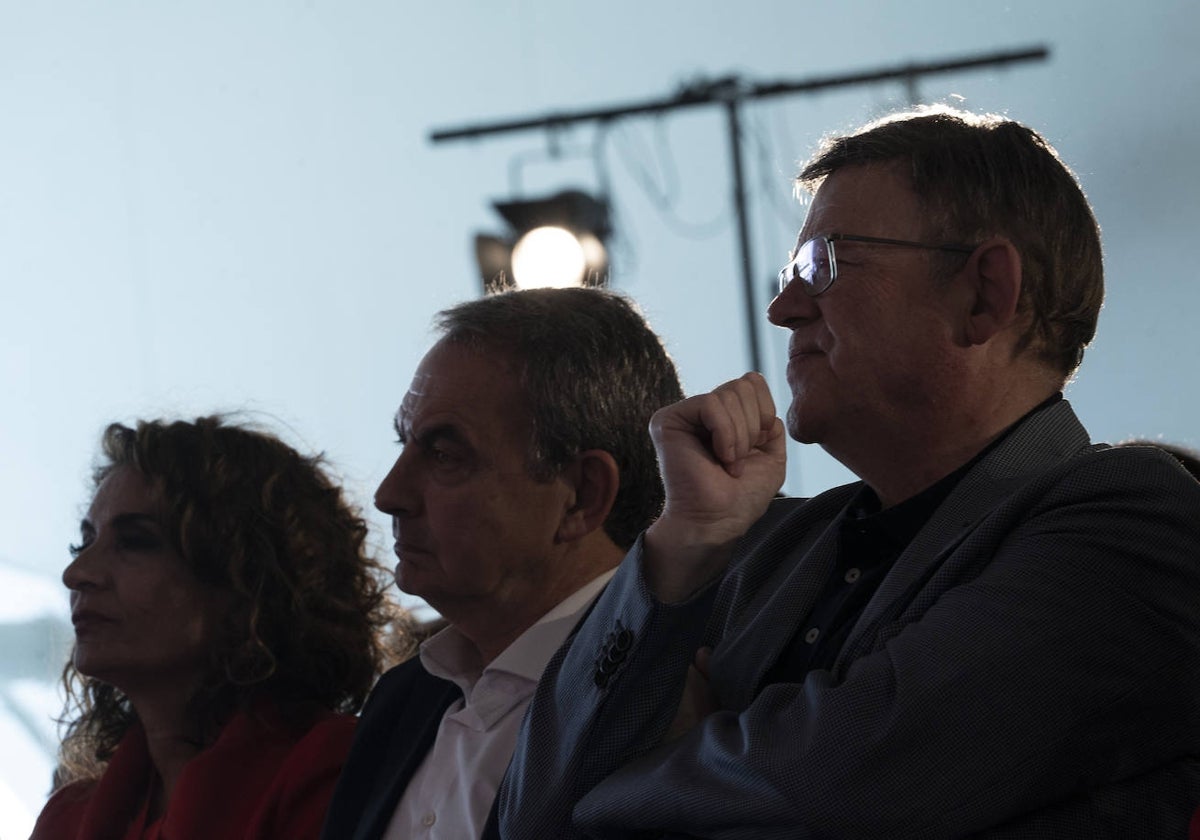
(227, 626)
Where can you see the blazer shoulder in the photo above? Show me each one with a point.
(1141, 471)
(408, 690)
(398, 682)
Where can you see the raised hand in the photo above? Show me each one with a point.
(722, 456)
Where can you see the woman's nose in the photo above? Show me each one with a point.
(83, 572)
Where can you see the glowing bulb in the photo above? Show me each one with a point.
(548, 256)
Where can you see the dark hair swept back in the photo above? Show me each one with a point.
(977, 176)
(593, 373)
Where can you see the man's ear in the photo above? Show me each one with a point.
(595, 478)
(993, 274)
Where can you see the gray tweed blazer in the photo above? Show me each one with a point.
(1029, 668)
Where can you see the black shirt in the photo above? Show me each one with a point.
(869, 542)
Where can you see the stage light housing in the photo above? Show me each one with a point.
(555, 241)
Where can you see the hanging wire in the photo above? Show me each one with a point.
(554, 151)
(663, 198)
(622, 247)
(771, 179)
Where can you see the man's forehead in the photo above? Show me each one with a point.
(828, 203)
(422, 387)
(461, 381)
(865, 196)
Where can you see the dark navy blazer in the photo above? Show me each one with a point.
(398, 726)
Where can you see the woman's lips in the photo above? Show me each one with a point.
(84, 620)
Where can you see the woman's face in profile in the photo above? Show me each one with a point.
(143, 622)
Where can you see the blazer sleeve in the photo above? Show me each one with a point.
(607, 696)
(1058, 654)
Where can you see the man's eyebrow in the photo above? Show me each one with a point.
(795, 249)
(429, 435)
(443, 431)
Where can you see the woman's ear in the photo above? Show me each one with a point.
(595, 478)
(993, 274)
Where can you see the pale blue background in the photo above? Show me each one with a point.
(233, 205)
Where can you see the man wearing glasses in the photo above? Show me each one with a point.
(993, 634)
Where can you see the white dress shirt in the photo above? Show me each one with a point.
(450, 795)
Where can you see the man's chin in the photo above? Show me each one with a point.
(800, 426)
(408, 579)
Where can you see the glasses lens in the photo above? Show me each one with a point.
(812, 266)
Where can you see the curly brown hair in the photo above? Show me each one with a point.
(255, 519)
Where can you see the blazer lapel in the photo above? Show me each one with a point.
(1037, 443)
(783, 575)
(417, 723)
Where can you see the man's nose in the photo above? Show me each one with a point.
(792, 307)
(396, 494)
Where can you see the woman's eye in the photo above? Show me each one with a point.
(125, 541)
(138, 541)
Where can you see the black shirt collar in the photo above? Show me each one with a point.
(900, 523)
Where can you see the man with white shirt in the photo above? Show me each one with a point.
(526, 472)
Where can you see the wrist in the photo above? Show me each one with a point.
(678, 562)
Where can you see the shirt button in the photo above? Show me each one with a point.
(428, 820)
(811, 635)
(852, 575)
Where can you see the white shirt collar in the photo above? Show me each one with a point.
(450, 655)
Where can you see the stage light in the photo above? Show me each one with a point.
(556, 241)
(548, 256)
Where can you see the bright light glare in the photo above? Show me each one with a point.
(548, 256)
(15, 820)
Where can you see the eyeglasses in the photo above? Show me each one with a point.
(815, 263)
